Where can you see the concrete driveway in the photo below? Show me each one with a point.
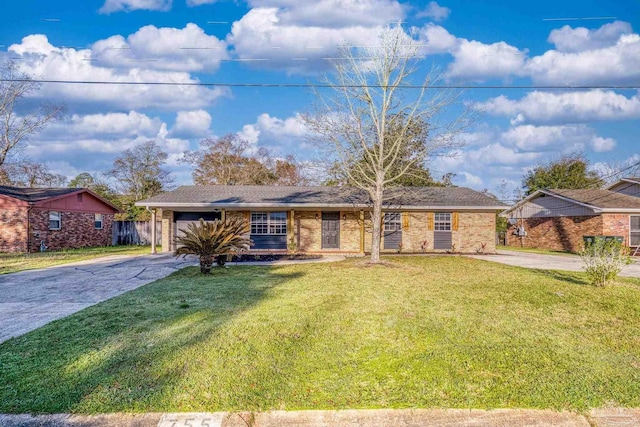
(31, 299)
(549, 262)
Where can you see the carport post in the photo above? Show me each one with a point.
(153, 231)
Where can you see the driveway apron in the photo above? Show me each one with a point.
(549, 262)
(31, 299)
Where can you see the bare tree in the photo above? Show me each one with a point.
(229, 160)
(370, 121)
(139, 171)
(31, 175)
(16, 128)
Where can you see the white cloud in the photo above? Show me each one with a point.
(90, 143)
(562, 138)
(565, 107)
(333, 13)
(614, 64)
(479, 61)
(437, 39)
(296, 48)
(46, 61)
(280, 135)
(434, 11)
(192, 3)
(186, 49)
(111, 6)
(191, 124)
(568, 39)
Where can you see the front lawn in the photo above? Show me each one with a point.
(422, 332)
(534, 250)
(11, 263)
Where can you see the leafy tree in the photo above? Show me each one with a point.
(211, 240)
(14, 130)
(569, 172)
(228, 160)
(376, 132)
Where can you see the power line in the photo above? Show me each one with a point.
(320, 85)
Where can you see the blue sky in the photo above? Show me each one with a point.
(553, 43)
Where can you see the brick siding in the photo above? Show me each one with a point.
(13, 230)
(77, 230)
(556, 233)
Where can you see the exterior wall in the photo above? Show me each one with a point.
(475, 230)
(77, 230)
(167, 231)
(558, 233)
(549, 206)
(13, 229)
(628, 188)
(616, 225)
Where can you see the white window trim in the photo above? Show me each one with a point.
(269, 223)
(59, 220)
(632, 231)
(448, 223)
(95, 220)
(396, 223)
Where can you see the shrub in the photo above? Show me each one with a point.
(603, 259)
(211, 240)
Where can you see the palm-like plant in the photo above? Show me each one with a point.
(211, 240)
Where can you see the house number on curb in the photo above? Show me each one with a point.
(191, 420)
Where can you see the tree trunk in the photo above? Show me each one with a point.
(205, 264)
(376, 232)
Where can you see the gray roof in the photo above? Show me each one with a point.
(229, 196)
(33, 195)
(603, 199)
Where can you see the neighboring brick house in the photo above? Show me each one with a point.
(333, 220)
(55, 218)
(558, 219)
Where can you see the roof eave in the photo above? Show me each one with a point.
(311, 206)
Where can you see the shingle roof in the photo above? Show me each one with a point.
(603, 199)
(33, 195)
(256, 195)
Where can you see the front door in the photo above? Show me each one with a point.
(330, 230)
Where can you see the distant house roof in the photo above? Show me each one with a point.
(627, 180)
(591, 202)
(33, 195)
(256, 196)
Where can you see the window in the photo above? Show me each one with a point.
(442, 221)
(392, 221)
(55, 220)
(634, 230)
(79, 197)
(98, 220)
(268, 223)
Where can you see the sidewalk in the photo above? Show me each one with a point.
(344, 418)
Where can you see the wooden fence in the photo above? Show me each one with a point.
(135, 233)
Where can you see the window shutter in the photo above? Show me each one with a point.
(454, 221)
(247, 216)
(405, 221)
(430, 220)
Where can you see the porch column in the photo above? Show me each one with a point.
(362, 232)
(153, 231)
(223, 215)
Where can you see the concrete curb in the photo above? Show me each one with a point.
(342, 418)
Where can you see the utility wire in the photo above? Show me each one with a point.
(318, 85)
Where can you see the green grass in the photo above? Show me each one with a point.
(534, 250)
(427, 332)
(11, 263)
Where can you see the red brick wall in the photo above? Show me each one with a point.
(616, 225)
(557, 233)
(77, 230)
(13, 229)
